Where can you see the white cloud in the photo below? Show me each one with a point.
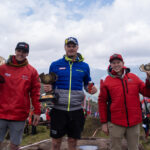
(122, 27)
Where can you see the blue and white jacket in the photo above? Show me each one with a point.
(72, 77)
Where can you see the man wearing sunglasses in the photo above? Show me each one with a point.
(19, 83)
(119, 104)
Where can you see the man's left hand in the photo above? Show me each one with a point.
(36, 119)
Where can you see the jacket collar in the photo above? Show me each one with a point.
(113, 74)
(13, 62)
(79, 58)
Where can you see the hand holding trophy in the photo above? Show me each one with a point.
(50, 96)
(145, 68)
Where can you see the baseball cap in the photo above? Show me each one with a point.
(115, 56)
(71, 40)
(23, 46)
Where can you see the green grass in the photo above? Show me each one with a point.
(91, 125)
(146, 144)
(143, 141)
(42, 134)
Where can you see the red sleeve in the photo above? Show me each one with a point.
(102, 102)
(147, 83)
(35, 93)
(145, 88)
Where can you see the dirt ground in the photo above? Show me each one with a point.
(102, 144)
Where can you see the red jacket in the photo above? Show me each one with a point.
(21, 84)
(119, 100)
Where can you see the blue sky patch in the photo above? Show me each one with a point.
(77, 7)
(28, 11)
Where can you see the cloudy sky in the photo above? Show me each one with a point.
(102, 27)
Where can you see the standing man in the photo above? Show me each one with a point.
(19, 82)
(67, 116)
(119, 104)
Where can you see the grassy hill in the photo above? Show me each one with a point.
(91, 125)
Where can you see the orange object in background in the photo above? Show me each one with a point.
(30, 117)
(47, 114)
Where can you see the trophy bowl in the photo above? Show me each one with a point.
(48, 78)
(145, 68)
(49, 96)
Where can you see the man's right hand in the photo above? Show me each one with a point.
(105, 128)
(47, 87)
(36, 119)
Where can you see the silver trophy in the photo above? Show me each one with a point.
(145, 68)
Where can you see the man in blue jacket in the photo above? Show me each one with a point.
(67, 115)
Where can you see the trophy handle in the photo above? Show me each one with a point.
(41, 74)
(141, 68)
(54, 76)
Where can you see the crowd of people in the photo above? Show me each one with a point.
(119, 101)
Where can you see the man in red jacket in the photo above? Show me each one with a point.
(19, 83)
(119, 103)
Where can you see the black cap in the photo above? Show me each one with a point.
(71, 40)
(23, 46)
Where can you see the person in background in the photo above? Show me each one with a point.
(119, 103)
(19, 84)
(145, 125)
(67, 116)
(33, 128)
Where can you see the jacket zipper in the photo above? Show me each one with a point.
(125, 101)
(69, 97)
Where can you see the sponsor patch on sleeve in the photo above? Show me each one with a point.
(62, 68)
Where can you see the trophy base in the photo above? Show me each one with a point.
(49, 98)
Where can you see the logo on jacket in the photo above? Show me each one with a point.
(129, 80)
(7, 74)
(62, 68)
(54, 132)
(79, 70)
(24, 77)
